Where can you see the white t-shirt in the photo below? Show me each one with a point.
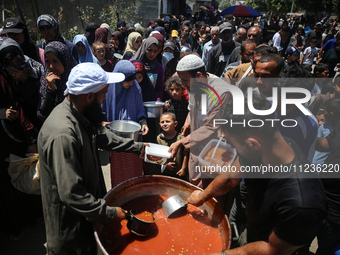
(276, 39)
(309, 55)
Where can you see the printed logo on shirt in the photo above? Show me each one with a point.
(224, 58)
(153, 78)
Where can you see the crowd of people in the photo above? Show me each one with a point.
(55, 100)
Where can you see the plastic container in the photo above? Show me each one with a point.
(205, 160)
(157, 154)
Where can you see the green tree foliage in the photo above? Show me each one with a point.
(120, 10)
(258, 5)
(284, 6)
(223, 4)
(279, 6)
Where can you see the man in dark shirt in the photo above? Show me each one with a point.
(220, 54)
(314, 34)
(284, 209)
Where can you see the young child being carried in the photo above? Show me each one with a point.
(177, 104)
(99, 51)
(178, 167)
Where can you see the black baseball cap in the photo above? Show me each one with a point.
(13, 25)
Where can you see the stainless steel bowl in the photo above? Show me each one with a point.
(126, 129)
(154, 109)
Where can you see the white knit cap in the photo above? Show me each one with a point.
(88, 78)
(154, 32)
(189, 62)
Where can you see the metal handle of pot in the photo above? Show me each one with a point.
(128, 216)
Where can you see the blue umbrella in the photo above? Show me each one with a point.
(240, 11)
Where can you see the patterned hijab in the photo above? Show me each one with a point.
(61, 51)
(48, 18)
(87, 56)
(148, 91)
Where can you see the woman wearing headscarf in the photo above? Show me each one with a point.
(124, 102)
(84, 50)
(147, 54)
(195, 39)
(17, 30)
(134, 42)
(101, 35)
(148, 91)
(121, 27)
(119, 40)
(23, 74)
(18, 132)
(59, 63)
(160, 39)
(49, 28)
(90, 31)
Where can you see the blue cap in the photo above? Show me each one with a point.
(292, 50)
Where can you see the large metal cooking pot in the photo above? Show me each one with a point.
(126, 129)
(161, 185)
(154, 109)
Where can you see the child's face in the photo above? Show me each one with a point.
(312, 45)
(99, 52)
(127, 84)
(292, 57)
(139, 77)
(167, 123)
(321, 119)
(175, 92)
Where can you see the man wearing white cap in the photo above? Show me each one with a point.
(72, 182)
(191, 70)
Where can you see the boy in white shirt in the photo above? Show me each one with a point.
(309, 53)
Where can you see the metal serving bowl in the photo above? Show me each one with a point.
(154, 109)
(126, 129)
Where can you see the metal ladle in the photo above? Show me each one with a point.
(173, 205)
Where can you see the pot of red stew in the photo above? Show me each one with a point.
(200, 230)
